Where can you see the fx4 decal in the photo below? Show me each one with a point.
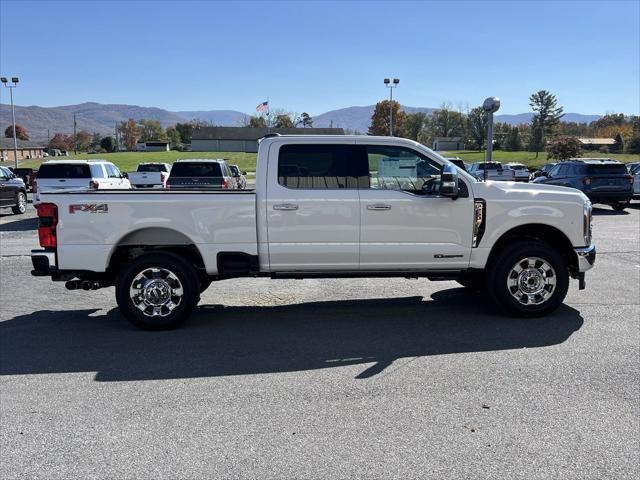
(89, 208)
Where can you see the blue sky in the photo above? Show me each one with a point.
(319, 56)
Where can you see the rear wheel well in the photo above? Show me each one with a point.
(124, 254)
(553, 237)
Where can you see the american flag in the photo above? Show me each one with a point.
(262, 106)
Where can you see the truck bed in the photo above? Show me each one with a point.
(92, 224)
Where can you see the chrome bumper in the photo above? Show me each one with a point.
(586, 257)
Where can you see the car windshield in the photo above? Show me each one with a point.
(234, 170)
(490, 166)
(606, 169)
(635, 169)
(64, 170)
(152, 167)
(196, 169)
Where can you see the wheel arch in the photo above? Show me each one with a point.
(548, 234)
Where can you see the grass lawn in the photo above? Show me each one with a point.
(529, 158)
(128, 161)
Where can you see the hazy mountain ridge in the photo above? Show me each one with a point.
(102, 118)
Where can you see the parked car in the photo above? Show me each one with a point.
(319, 209)
(202, 174)
(634, 169)
(520, 171)
(457, 161)
(239, 175)
(78, 175)
(542, 171)
(13, 192)
(150, 175)
(602, 180)
(490, 171)
(25, 174)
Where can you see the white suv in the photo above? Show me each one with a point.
(79, 175)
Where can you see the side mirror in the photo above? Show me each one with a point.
(244, 173)
(449, 182)
(125, 175)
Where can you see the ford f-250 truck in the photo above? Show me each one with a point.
(323, 206)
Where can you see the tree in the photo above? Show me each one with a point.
(283, 120)
(108, 144)
(306, 120)
(618, 146)
(129, 133)
(415, 123)
(82, 141)
(95, 140)
(446, 122)
(477, 121)
(563, 148)
(21, 132)
(61, 142)
(547, 115)
(173, 135)
(512, 142)
(255, 122)
(633, 145)
(380, 119)
(151, 130)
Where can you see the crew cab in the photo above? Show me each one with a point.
(491, 171)
(323, 206)
(150, 175)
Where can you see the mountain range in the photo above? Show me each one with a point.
(102, 118)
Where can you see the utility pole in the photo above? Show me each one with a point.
(391, 85)
(490, 105)
(15, 81)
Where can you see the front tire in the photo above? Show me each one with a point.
(158, 291)
(528, 279)
(21, 204)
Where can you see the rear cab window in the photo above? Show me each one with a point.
(196, 169)
(606, 169)
(151, 168)
(64, 170)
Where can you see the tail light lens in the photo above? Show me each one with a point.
(586, 180)
(630, 178)
(167, 184)
(47, 222)
(225, 183)
(94, 185)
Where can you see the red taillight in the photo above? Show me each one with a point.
(94, 185)
(586, 180)
(630, 178)
(225, 183)
(47, 221)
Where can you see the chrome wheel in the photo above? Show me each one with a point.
(156, 292)
(531, 281)
(22, 203)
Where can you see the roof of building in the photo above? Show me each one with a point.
(248, 133)
(8, 143)
(447, 139)
(597, 141)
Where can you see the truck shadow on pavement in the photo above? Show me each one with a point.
(241, 340)
(22, 225)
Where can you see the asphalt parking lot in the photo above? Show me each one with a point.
(379, 378)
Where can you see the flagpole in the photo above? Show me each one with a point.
(268, 116)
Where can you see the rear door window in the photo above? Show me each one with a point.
(606, 169)
(64, 170)
(196, 169)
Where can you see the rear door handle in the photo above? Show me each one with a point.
(379, 206)
(285, 206)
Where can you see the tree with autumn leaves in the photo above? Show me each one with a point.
(21, 132)
(380, 120)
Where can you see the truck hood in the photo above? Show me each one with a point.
(533, 191)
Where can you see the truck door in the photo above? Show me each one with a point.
(313, 209)
(405, 223)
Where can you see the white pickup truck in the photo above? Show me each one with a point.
(150, 175)
(323, 206)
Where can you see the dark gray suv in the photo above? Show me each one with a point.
(602, 180)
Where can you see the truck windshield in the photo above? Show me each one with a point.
(490, 166)
(195, 169)
(64, 170)
(151, 167)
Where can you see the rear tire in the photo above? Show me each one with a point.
(619, 207)
(158, 291)
(528, 279)
(21, 204)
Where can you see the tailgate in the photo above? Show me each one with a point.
(196, 182)
(610, 184)
(145, 178)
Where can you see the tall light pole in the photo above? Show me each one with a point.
(13, 115)
(391, 84)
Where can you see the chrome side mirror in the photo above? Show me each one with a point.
(449, 181)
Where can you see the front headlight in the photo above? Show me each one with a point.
(586, 223)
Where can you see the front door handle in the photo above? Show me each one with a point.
(285, 206)
(379, 206)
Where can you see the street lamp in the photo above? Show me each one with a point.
(490, 105)
(15, 81)
(391, 84)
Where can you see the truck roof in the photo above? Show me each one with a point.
(93, 160)
(206, 160)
